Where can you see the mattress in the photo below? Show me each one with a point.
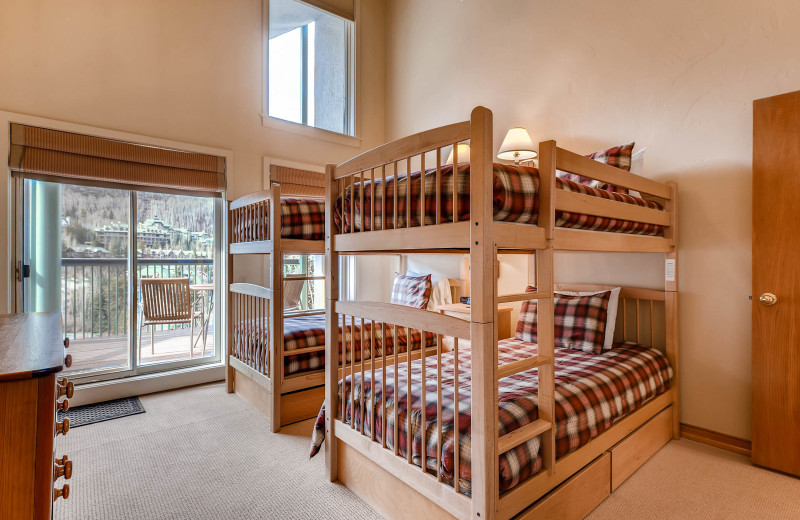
(593, 391)
(300, 332)
(300, 219)
(515, 199)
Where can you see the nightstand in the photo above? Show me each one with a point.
(460, 310)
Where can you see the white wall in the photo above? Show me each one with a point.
(678, 77)
(184, 70)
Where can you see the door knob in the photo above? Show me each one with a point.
(768, 299)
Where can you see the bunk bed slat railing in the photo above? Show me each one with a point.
(403, 148)
(590, 205)
(250, 322)
(403, 316)
(585, 167)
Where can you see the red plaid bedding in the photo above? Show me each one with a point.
(301, 332)
(592, 392)
(300, 218)
(514, 194)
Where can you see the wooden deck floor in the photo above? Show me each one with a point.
(112, 352)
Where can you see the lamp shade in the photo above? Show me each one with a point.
(463, 154)
(517, 146)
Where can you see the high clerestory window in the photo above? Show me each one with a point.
(310, 57)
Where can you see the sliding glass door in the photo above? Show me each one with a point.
(95, 253)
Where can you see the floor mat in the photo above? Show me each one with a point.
(99, 412)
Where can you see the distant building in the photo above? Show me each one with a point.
(86, 252)
(155, 233)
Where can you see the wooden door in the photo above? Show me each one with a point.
(776, 271)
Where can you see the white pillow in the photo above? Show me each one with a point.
(611, 318)
(637, 162)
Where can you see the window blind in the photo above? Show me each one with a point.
(59, 156)
(342, 8)
(298, 183)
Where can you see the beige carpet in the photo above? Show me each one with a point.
(687, 480)
(200, 453)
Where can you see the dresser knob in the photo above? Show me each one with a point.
(62, 427)
(62, 470)
(63, 405)
(68, 360)
(66, 388)
(66, 342)
(63, 493)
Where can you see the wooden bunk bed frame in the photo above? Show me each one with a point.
(572, 485)
(282, 399)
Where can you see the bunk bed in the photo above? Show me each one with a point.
(275, 358)
(497, 435)
(287, 218)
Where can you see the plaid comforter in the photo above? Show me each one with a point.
(300, 218)
(592, 392)
(514, 198)
(301, 332)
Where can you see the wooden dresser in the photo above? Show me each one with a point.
(31, 356)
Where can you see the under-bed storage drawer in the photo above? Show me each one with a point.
(635, 449)
(575, 498)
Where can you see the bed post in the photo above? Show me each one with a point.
(671, 307)
(483, 282)
(229, 372)
(545, 284)
(331, 325)
(276, 306)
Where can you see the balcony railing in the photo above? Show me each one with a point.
(94, 291)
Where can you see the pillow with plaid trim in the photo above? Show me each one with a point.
(579, 321)
(611, 319)
(411, 291)
(617, 156)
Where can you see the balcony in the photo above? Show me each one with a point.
(97, 318)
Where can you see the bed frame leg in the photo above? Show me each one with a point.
(331, 328)
(229, 372)
(483, 284)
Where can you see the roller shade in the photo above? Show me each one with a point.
(59, 156)
(298, 183)
(343, 8)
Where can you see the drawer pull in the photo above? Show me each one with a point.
(62, 470)
(65, 388)
(68, 360)
(62, 427)
(63, 405)
(63, 492)
(66, 342)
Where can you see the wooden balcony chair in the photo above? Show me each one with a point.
(168, 301)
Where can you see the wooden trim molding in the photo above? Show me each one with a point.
(716, 439)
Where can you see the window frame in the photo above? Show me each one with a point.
(306, 277)
(351, 102)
